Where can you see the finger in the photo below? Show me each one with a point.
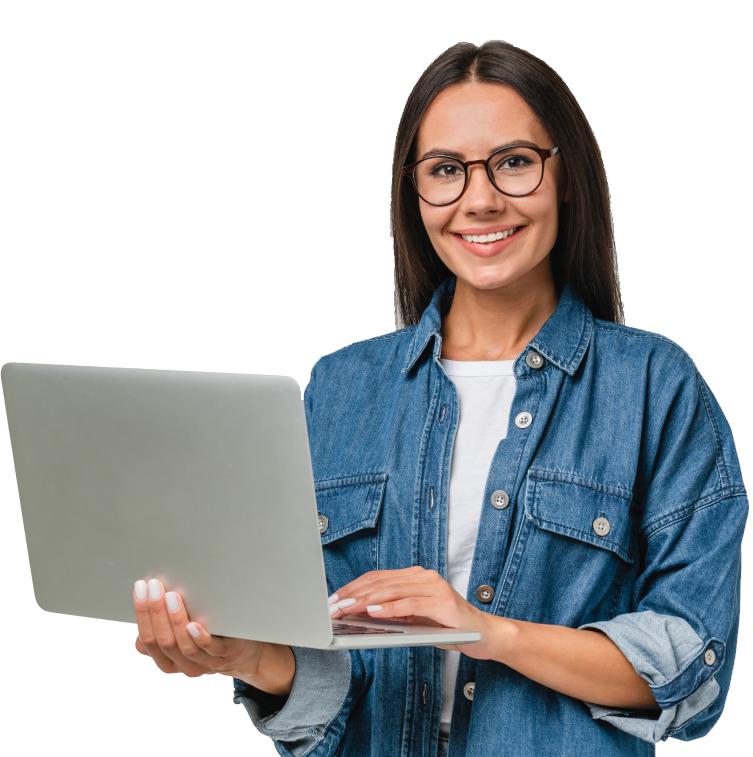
(370, 583)
(215, 646)
(374, 576)
(424, 607)
(146, 630)
(178, 617)
(390, 592)
(163, 630)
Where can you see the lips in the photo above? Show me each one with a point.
(488, 249)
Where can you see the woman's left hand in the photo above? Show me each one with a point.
(416, 595)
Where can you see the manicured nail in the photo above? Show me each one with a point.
(333, 599)
(333, 609)
(193, 630)
(155, 590)
(346, 603)
(140, 590)
(374, 608)
(172, 601)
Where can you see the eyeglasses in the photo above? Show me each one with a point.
(515, 171)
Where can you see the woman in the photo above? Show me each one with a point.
(562, 483)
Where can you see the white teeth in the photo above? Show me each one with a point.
(484, 238)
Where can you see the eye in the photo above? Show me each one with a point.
(513, 163)
(447, 171)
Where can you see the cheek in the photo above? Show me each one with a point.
(435, 220)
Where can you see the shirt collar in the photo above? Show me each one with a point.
(562, 340)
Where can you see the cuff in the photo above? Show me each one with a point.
(678, 665)
(320, 687)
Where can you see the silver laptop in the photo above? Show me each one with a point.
(202, 480)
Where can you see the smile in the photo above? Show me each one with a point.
(486, 245)
(484, 238)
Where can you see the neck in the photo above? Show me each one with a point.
(497, 324)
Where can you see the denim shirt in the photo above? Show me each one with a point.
(623, 428)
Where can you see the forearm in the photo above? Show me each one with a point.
(583, 664)
(273, 672)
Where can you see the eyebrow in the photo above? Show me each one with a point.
(460, 156)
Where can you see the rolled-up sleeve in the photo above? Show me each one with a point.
(682, 634)
(320, 692)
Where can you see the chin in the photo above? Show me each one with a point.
(489, 279)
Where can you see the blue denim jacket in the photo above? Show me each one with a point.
(624, 428)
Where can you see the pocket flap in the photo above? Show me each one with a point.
(350, 503)
(569, 505)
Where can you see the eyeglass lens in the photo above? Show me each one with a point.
(517, 171)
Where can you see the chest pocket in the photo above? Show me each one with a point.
(577, 549)
(350, 541)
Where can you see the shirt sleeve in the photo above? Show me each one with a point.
(311, 720)
(682, 634)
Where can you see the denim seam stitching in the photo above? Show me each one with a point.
(687, 510)
(557, 477)
(619, 550)
(721, 465)
(364, 479)
(706, 645)
(677, 729)
(621, 329)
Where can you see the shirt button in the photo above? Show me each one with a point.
(468, 690)
(485, 594)
(323, 524)
(534, 360)
(601, 526)
(523, 420)
(500, 499)
(710, 657)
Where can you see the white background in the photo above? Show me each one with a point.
(665, 86)
(666, 89)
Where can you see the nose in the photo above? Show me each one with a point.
(481, 196)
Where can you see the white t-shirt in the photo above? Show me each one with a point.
(485, 393)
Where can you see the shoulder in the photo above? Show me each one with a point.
(382, 352)
(641, 354)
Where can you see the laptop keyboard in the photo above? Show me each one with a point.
(347, 629)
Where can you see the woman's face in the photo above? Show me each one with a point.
(473, 120)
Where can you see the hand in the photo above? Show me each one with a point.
(416, 595)
(177, 646)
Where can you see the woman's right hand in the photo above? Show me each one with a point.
(179, 646)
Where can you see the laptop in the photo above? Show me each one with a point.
(202, 480)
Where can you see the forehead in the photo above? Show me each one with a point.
(476, 117)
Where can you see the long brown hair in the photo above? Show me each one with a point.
(584, 254)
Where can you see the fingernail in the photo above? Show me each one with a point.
(333, 609)
(172, 601)
(346, 603)
(333, 599)
(155, 590)
(193, 630)
(140, 590)
(374, 608)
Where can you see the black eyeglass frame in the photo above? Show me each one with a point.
(544, 154)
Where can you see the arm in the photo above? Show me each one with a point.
(584, 664)
(274, 671)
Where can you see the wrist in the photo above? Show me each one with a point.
(272, 669)
(504, 638)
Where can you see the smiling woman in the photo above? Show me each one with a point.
(557, 481)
